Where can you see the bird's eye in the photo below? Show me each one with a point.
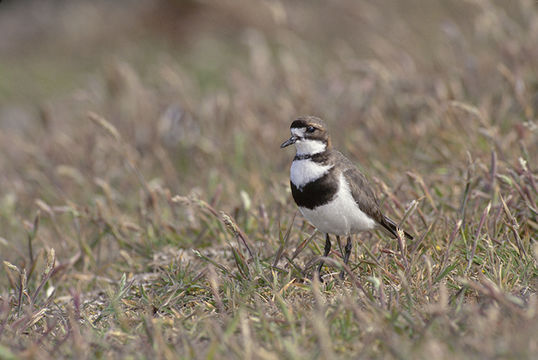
(310, 129)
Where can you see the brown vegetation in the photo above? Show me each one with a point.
(144, 202)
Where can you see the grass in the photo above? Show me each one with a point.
(147, 213)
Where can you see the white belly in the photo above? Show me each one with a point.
(341, 216)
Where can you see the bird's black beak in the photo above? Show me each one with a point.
(288, 142)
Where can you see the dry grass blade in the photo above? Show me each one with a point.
(455, 231)
(47, 273)
(513, 225)
(124, 147)
(302, 245)
(104, 124)
(237, 233)
(417, 178)
(403, 247)
(488, 288)
(283, 241)
(213, 281)
(477, 236)
(408, 212)
(469, 109)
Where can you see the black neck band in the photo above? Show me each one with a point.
(317, 157)
(303, 157)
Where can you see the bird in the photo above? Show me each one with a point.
(330, 191)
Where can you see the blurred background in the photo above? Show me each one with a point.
(201, 94)
(127, 127)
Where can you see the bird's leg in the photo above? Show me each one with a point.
(348, 250)
(325, 253)
(346, 255)
(339, 245)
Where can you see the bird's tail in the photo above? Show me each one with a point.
(392, 227)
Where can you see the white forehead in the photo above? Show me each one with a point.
(299, 132)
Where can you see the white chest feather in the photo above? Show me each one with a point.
(304, 171)
(341, 216)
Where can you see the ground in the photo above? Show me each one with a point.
(145, 203)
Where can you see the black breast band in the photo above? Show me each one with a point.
(316, 193)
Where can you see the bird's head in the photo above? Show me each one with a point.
(309, 135)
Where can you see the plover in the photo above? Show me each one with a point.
(332, 194)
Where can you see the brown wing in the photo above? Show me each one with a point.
(363, 194)
(360, 189)
(365, 197)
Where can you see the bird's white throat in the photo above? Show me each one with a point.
(310, 147)
(305, 171)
